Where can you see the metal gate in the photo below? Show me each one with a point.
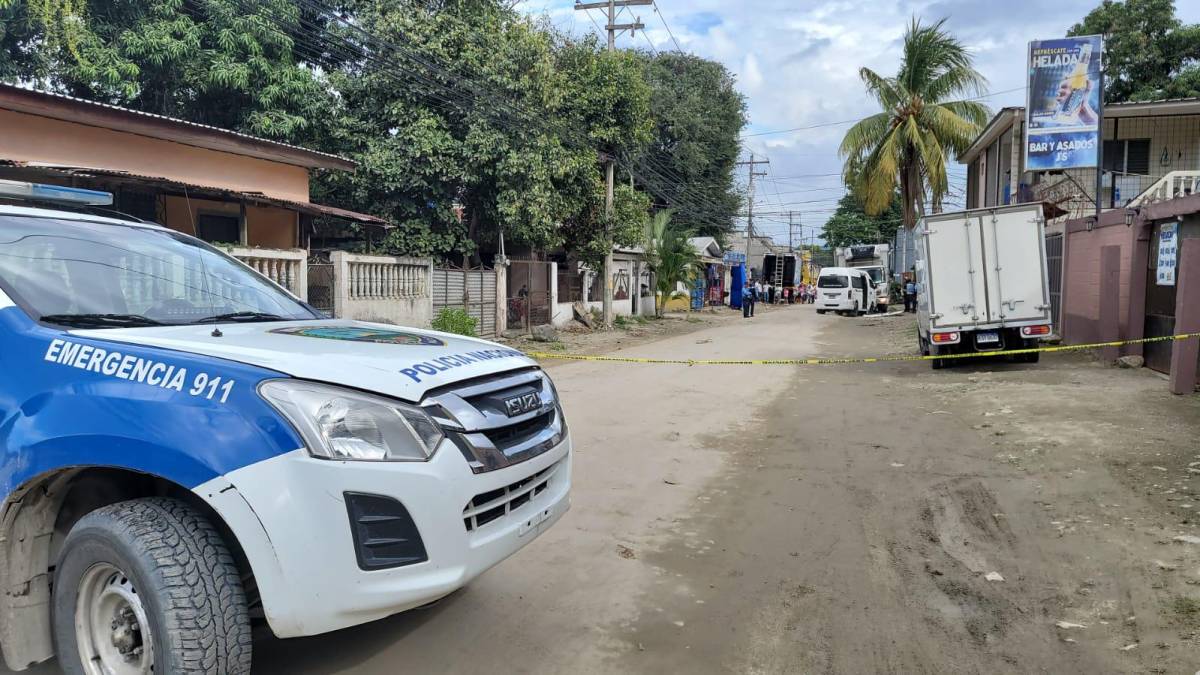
(472, 289)
(320, 285)
(1054, 269)
(528, 294)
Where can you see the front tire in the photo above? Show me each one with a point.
(148, 586)
(820, 311)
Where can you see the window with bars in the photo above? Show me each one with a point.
(1128, 156)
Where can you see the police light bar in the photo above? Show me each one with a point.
(13, 189)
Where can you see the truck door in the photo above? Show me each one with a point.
(1016, 268)
(954, 270)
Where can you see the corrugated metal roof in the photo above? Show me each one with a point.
(257, 197)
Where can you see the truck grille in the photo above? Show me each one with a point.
(475, 417)
(486, 507)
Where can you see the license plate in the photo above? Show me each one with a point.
(987, 337)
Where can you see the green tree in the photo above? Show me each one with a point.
(518, 149)
(1149, 53)
(229, 63)
(698, 114)
(908, 143)
(850, 224)
(670, 257)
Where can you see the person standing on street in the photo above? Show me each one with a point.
(910, 296)
(747, 299)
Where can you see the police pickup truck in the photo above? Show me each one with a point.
(187, 447)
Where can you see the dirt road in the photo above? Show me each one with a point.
(835, 519)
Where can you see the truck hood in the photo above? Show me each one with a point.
(396, 361)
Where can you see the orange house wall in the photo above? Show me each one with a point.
(29, 138)
(266, 226)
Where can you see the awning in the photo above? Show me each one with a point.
(195, 189)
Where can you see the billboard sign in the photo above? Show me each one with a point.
(1062, 113)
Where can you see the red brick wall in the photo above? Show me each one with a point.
(1081, 281)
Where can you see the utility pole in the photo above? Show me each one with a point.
(750, 204)
(613, 28)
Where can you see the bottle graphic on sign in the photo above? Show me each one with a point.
(1076, 83)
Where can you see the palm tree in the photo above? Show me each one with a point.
(908, 143)
(670, 257)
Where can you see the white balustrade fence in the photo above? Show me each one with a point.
(386, 289)
(286, 267)
(1174, 184)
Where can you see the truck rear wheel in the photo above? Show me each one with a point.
(148, 586)
(937, 364)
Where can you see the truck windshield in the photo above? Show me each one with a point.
(102, 275)
(875, 273)
(833, 281)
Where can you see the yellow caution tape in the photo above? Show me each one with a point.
(871, 359)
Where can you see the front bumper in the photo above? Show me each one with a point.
(307, 572)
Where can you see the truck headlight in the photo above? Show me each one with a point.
(339, 423)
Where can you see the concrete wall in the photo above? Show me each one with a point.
(627, 277)
(1081, 282)
(383, 289)
(29, 138)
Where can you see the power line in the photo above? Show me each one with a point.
(663, 19)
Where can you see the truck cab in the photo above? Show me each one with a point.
(188, 447)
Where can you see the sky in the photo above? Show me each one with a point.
(797, 63)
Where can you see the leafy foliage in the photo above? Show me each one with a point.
(850, 224)
(698, 114)
(228, 63)
(1149, 53)
(670, 257)
(908, 143)
(454, 320)
(537, 182)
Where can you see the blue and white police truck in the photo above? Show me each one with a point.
(188, 448)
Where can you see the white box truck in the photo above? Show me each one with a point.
(981, 282)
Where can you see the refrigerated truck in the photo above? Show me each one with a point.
(187, 446)
(981, 282)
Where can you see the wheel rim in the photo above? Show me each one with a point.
(111, 629)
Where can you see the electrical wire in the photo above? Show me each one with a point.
(663, 19)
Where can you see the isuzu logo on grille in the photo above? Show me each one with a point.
(519, 405)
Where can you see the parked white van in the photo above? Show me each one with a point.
(845, 290)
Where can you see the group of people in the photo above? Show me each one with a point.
(806, 293)
(756, 292)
